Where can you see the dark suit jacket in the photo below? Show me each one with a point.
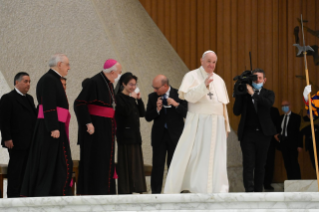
(17, 119)
(174, 118)
(292, 131)
(264, 100)
(275, 117)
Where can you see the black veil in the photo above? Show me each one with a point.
(119, 87)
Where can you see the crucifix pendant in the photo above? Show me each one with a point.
(210, 95)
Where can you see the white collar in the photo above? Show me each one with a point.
(56, 72)
(19, 92)
(203, 72)
(258, 89)
(167, 93)
(288, 114)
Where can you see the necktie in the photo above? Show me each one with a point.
(164, 99)
(285, 125)
(164, 102)
(255, 102)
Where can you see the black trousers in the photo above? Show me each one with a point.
(16, 167)
(270, 162)
(312, 155)
(159, 155)
(290, 156)
(254, 146)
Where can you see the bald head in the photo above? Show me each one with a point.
(160, 84)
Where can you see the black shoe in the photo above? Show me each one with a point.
(269, 187)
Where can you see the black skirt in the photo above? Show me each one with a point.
(130, 169)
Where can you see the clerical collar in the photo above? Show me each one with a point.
(19, 92)
(56, 72)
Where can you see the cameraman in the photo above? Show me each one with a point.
(255, 130)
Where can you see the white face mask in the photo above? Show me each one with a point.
(117, 79)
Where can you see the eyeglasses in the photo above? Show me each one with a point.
(156, 88)
(131, 84)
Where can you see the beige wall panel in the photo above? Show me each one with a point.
(88, 32)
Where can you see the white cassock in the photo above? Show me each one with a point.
(199, 163)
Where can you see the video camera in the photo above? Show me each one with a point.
(245, 78)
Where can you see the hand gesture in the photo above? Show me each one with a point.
(209, 79)
(55, 134)
(9, 144)
(171, 101)
(159, 104)
(306, 91)
(90, 128)
(249, 89)
(276, 137)
(134, 95)
(138, 95)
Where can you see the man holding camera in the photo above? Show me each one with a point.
(255, 130)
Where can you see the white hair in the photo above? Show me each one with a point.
(109, 70)
(55, 59)
(209, 51)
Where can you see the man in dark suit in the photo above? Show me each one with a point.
(255, 130)
(288, 139)
(270, 162)
(168, 113)
(17, 120)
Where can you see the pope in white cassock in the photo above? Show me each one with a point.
(199, 162)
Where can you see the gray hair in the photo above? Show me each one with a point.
(55, 59)
(109, 70)
(209, 51)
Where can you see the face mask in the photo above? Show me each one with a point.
(117, 79)
(285, 109)
(258, 86)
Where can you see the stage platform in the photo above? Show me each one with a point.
(294, 201)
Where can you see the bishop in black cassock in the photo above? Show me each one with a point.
(49, 166)
(94, 108)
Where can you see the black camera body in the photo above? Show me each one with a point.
(245, 78)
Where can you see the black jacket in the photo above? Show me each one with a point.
(307, 133)
(275, 117)
(174, 118)
(127, 114)
(292, 130)
(17, 119)
(264, 100)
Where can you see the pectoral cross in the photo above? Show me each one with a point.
(210, 95)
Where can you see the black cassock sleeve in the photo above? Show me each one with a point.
(49, 99)
(5, 117)
(88, 95)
